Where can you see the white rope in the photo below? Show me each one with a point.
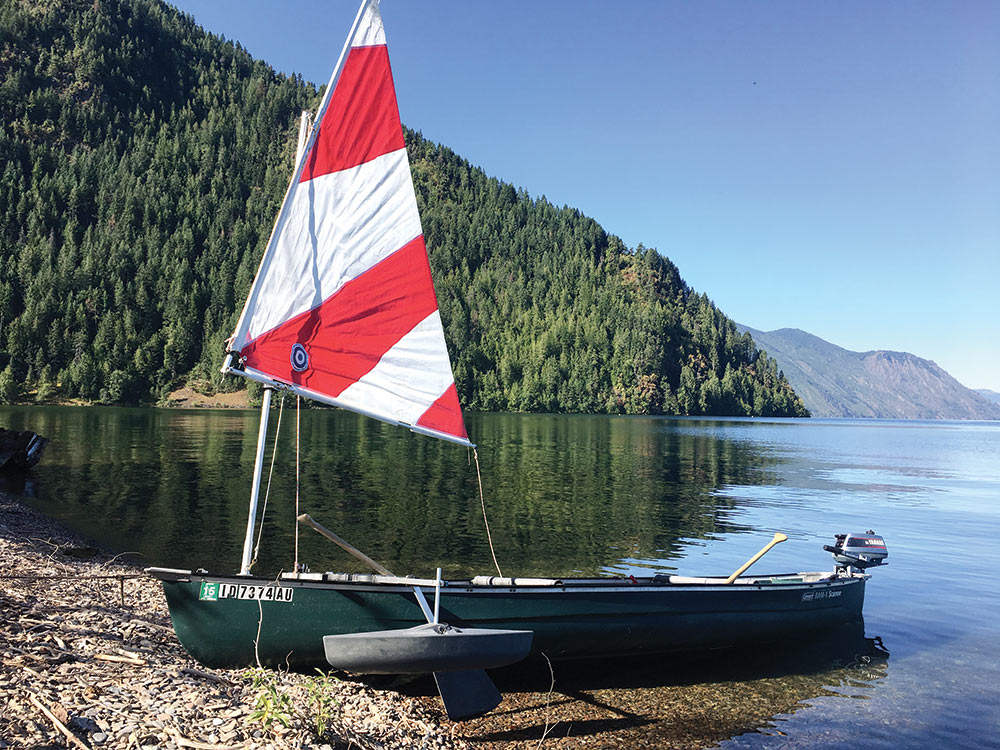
(482, 499)
(295, 523)
(270, 473)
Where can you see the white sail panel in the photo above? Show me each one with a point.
(403, 393)
(370, 31)
(366, 213)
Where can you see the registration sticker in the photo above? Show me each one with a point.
(212, 592)
(209, 592)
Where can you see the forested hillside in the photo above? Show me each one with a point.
(143, 161)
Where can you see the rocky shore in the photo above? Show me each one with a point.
(88, 660)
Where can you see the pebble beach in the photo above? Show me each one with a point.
(88, 659)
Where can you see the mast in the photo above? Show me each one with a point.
(305, 128)
(258, 467)
(305, 124)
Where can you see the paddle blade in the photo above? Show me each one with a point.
(467, 694)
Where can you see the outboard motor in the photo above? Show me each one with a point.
(859, 551)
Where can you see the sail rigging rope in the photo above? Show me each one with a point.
(267, 491)
(482, 499)
(298, 411)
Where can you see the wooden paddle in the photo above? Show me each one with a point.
(778, 539)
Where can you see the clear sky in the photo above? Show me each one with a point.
(830, 166)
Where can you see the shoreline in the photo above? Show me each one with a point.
(180, 398)
(87, 644)
(189, 398)
(87, 638)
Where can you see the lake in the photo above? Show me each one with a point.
(581, 495)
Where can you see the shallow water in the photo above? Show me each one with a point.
(584, 495)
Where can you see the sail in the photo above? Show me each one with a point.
(343, 308)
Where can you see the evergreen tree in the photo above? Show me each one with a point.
(143, 162)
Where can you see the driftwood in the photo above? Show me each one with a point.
(195, 745)
(63, 729)
(20, 450)
(120, 659)
(200, 674)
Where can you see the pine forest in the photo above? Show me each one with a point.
(142, 163)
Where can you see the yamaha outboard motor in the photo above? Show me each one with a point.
(858, 551)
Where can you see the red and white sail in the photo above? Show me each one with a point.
(343, 308)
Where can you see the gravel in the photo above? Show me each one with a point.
(88, 659)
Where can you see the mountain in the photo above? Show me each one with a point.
(989, 395)
(835, 382)
(142, 163)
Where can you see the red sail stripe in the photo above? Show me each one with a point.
(347, 334)
(445, 415)
(361, 122)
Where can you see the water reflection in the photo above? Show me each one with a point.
(587, 494)
(565, 495)
(17, 481)
(692, 702)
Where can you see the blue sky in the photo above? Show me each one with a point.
(833, 167)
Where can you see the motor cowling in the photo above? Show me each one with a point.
(858, 550)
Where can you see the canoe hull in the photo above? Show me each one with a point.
(216, 618)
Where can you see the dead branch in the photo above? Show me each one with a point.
(56, 723)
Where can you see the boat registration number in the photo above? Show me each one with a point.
(212, 592)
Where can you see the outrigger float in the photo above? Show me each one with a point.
(343, 311)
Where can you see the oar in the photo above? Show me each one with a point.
(778, 539)
(465, 694)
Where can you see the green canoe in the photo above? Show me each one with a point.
(234, 621)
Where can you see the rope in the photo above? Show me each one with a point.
(295, 524)
(482, 500)
(270, 473)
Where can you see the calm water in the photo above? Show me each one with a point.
(584, 495)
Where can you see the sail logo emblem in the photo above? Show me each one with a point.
(299, 358)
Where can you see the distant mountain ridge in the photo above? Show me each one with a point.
(988, 394)
(836, 382)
